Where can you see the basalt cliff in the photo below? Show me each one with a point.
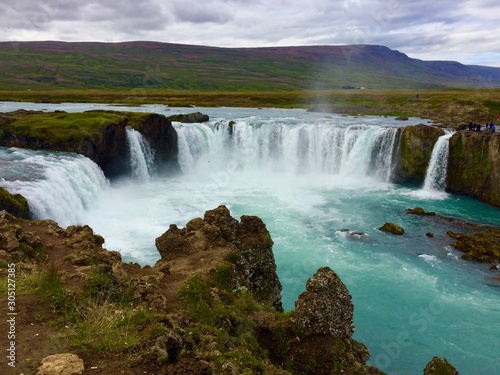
(98, 135)
(474, 165)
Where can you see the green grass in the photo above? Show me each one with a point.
(61, 127)
(449, 106)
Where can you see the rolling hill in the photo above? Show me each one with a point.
(153, 65)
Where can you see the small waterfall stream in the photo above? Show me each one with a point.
(141, 155)
(435, 179)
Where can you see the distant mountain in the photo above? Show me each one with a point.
(152, 65)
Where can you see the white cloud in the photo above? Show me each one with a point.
(459, 30)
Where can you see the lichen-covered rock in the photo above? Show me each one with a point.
(474, 165)
(438, 366)
(322, 326)
(392, 228)
(61, 364)
(325, 308)
(14, 204)
(416, 147)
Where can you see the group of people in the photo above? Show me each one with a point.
(477, 127)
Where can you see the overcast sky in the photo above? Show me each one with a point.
(461, 30)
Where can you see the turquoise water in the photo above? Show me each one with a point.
(414, 297)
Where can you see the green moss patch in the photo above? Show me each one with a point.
(62, 127)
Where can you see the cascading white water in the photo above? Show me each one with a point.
(141, 155)
(356, 150)
(59, 186)
(435, 179)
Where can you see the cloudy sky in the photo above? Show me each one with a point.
(462, 30)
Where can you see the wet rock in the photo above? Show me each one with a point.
(419, 211)
(438, 366)
(61, 364)
(392, 228)
(483, 246)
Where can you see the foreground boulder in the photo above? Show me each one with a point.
(61, 364)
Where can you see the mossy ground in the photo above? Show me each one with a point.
(61, 127)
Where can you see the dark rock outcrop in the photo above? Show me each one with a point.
(392, 228)
(438, 366)
(416, 147)
(14, 204)
(189, 118)
(474, 165)
(247, 241)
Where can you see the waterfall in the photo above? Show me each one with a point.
(58, 186)
(356, 150)
(435, 179)
(141, 155)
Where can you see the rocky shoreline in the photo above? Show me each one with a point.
(210, 305)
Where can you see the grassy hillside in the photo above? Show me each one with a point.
(151, 65)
